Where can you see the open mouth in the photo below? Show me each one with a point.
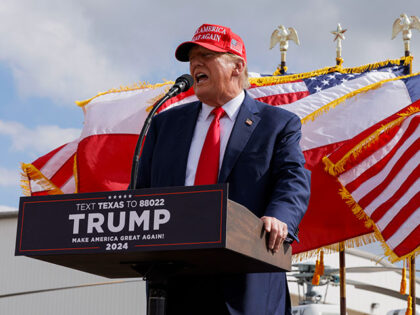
(200, 77)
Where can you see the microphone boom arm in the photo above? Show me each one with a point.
(183, 83)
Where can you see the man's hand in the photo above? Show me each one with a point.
(277, 230)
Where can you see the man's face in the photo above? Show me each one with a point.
(216, 79)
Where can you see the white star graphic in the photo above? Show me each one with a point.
(318, 88)
(325, 82)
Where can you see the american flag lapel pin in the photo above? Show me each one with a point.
(248, 122)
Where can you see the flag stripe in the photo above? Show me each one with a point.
(380, 160)
(386, 182)
(64, 173)
(391, 185)
(409, 194)
(70, 186)
(40, 162)
(272, 90)
(405, 191)
(410, 243)
(56, 162)
(282, 99)
(401, 216)
(409, 226)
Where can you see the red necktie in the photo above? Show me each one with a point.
(208, 164)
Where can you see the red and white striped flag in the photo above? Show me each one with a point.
(380, 174)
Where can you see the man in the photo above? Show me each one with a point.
(250, 145)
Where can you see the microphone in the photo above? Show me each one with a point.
(182, 84)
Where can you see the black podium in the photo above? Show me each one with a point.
(148, 232)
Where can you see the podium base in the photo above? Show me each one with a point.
(157, 275)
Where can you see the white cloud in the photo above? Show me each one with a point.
(72, 49)
(9, 178)
(40, 139)
(47, 44)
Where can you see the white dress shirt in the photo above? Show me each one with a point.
(201, 127)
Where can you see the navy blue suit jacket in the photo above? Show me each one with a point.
(264, 167)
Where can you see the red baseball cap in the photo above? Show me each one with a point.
(213, 37)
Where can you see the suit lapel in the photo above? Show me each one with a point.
(246, 122)
(185, 130)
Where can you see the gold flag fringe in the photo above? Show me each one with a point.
(339, 167)
(25, 184)
(154, 100)
(136, 86)
(30, 172)
(343, 98)
(333, 248)
(277, 78)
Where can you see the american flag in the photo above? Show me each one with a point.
(380, 178)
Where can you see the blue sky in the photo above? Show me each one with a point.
(55, 52)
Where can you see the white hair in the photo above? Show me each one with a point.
(245, 81)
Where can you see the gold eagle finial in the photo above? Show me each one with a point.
(405, 24)
(282, 36)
